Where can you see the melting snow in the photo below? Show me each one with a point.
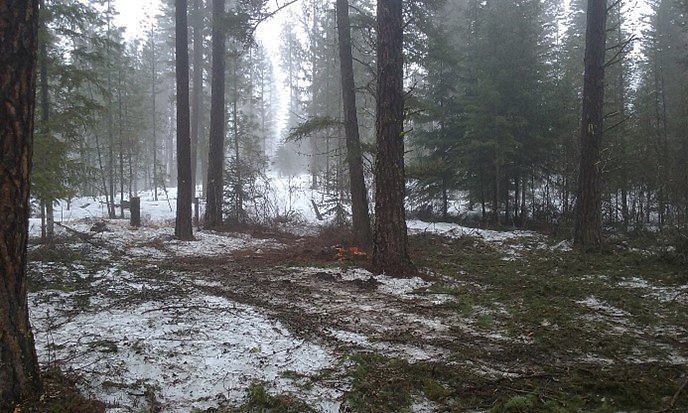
(598, 305)
(193, 354)
(458, 231)
(400, 287)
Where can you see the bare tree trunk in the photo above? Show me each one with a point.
(359, 196)
(121, 146)
(197, 98)
(111, 152)
(497, 188)
(390, 249)
(238, 187)
(216, 153)
(19, 370)
(588, 228)
(48, 230)
(154, 118)
(183, 229)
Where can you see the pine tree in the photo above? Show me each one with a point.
(19, 370)
(183, 228)
(390, 247)
(588, 226)
(359, 196)
(214, 191)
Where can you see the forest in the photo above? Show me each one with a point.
(371, 206)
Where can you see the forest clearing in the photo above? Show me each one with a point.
(497, 321)
(343, 206)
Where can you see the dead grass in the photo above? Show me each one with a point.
(61, 395)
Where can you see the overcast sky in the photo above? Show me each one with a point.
(136, 16)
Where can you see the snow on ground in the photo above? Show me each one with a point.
(293, 194)
(664, 294)
(136, 332)
(128, 335)
(287, 196)
(404, 351)
(457, 231)
(195, 356)
(94, 208)
(596, 304)
(400, 287)
(132, 330)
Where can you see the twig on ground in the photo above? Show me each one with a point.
(81, 235)
(674, 399)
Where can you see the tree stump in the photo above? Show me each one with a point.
(135, 211)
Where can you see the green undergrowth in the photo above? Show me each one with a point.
(386, 385)
(258, 400)
(604, 327)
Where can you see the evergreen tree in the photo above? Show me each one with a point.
(359, 197)
(390, 247)
(19, 370)
(588, 226)
(183, 228)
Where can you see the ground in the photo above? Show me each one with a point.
(499, 321)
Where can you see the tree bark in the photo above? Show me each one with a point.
(216, 153)
(183, 229)
(112, 213)
(154, 117)
(49, 231)
(238, 184)
(359, 197)
(390, 249)
(19, 370)
(588, 227)
(197, 98)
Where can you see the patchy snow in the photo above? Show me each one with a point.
(405, 351)
(563, 246)
(421, 404)
(400, 287)
(457, 231)
(594, 303)
(635, 282)
(158, 242)
(678, 293)
(195, 351)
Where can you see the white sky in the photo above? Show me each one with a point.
(137, 15)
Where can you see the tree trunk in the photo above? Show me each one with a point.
(390, 249)
(112, 213)
(445, 199)
(497, 188)
(588, 228)
(238, 185)
(359, 197)
(183, 229)
(313, 139)
(49, 231)
(216, 153)
(135, 211)
(121, 146)
(19, 370)
(197, 98)
(154, 118)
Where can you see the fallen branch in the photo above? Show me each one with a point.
(317, 211)
(84, 236)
